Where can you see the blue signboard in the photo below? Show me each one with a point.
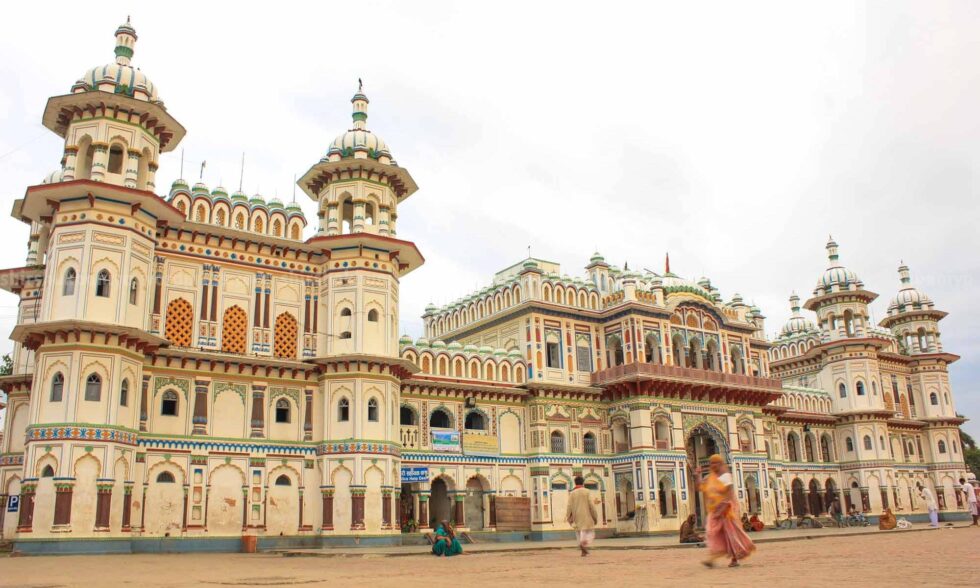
(410, 475)
(13, 502)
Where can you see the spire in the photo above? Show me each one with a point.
(667, 264)
(360, 102)
(794, 304)
(903, 273)
(832, 252)
(125, 42)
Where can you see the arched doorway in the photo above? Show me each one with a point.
(668, 497)
(815, 501)
(798, 498)
(625, 498)
(474, 509)
(703, 441)
(440, 502)
(753, 497)
(830, 494)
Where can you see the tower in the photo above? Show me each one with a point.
(358, 186)
(840, 300)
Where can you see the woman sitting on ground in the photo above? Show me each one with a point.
(688, 535)
(446, 542)
(887, 521)
(757, 524)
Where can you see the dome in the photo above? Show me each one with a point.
(119, 77)
(430, 308)
(486, 350)
(239, 196)
(454, 346)
(201, 188)
(909, 298)
(498, 352)
(257, 200)
(179, 184)
(405, 340)
(796, 324)
(836, 277)
(470, 348)
(275, 203)
(219, 192)
(294, 206)
(515, 354)
(421, 342)
(597, 258)
(438, 344)
(54, 177)
(359, 140)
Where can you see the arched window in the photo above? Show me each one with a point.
(284, 346)
(134, 289)
(933, 399)
(240, 221)
(345, 311)
(57, 387)
(942, 446)
(282, 411)
(93, 388)
(874, 388)
(182, 207)
(199, 214)
(68, 288)
(344, 335)
(294, 232)
(860, 388)
(475, 421)
(277, 228)
(868, 444)
(557, 442)
(343, 410)
(168, 404)
(589, 444)
(407, 416)
(850, 444)
(219, 217)
(115, 159)
(47, 472)
(124, 393)
(373, 410)
(165, 478)
(258, 225)
(439, 419)
(373, 316)
(842, 389)
(102, 284)
(283, 480)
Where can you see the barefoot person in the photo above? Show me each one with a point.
(971, 500)
(723, 533)
(446, 544)
(581, 514)
(930, 500)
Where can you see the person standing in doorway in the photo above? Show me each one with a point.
(931, 506)
(723, 534)
(582, 515)
(971, 499)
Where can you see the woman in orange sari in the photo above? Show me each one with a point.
(723, 533)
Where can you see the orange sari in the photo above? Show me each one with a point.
(723, 530)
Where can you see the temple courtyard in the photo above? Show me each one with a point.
(948, 556)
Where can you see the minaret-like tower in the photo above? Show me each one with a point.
(840, 300)
(358, 186)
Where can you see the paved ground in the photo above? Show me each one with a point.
(934, 557)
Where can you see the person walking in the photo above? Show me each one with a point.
(971, 499)
(582, 515)
(931, 506)
(723, 534)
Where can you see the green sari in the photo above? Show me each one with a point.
(445, 545)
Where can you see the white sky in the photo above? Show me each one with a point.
(735, 135)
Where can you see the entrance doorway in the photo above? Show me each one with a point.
(702, 442)
(440, 502)
(474, 510)
(407, 506)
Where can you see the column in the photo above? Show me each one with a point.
(492, 500)
(3, 512)
(357, 508)
(865, 499)
(358, 225)
(386, 508)
(423, 511)
(333, 225)
(144, 402)
(62, 503)
(244, 507)
(258, 419)
(151, 176)
(200, 407)
(103, 504)
(127, 507)
(132, 168)
(302, 527)
(398, 508)
(326, 495)
(183, 522)
(25, 520)
(391, 223)
(308, 416)
(383, 219)
(71, 157)
(99, 161)
(460, 519)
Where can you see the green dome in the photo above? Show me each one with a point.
(239, 196)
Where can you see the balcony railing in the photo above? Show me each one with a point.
(653, 371)
(410, 437)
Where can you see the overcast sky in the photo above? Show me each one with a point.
(736, 136)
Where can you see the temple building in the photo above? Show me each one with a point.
(204, 365)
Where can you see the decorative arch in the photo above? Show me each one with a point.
(234, 326)
(285, 336)
(180, 323)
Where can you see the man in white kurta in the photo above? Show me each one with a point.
(931, 505)
(971, 499)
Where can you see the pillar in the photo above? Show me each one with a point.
(258, 419)
(103, 504)
(302, 527)
(865, 499)
(127, 512)
(3, 512)
(423, 515)
(183, 522)
(71, 158)
(244, 507)
(398, 508)
(132, 168)
(99, 161)
(358, 224)
(460, 519)
(386, 508)
(25, 520)
(144, 402)
(383, 219)
(62, 503)
(333, 223)
(326, 495)
(357, 508)
(151, 176)
(200, 408)
(493, 510)
(308, 417)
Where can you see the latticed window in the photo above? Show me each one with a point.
(234, 326)
(557, 442)
(93, 387)
(258, 226)
(589, 444)
(180, 322)
(277, 228)
(282, 411)
(373, 410)
(168, 403)
(285, 344)
(294, 232)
